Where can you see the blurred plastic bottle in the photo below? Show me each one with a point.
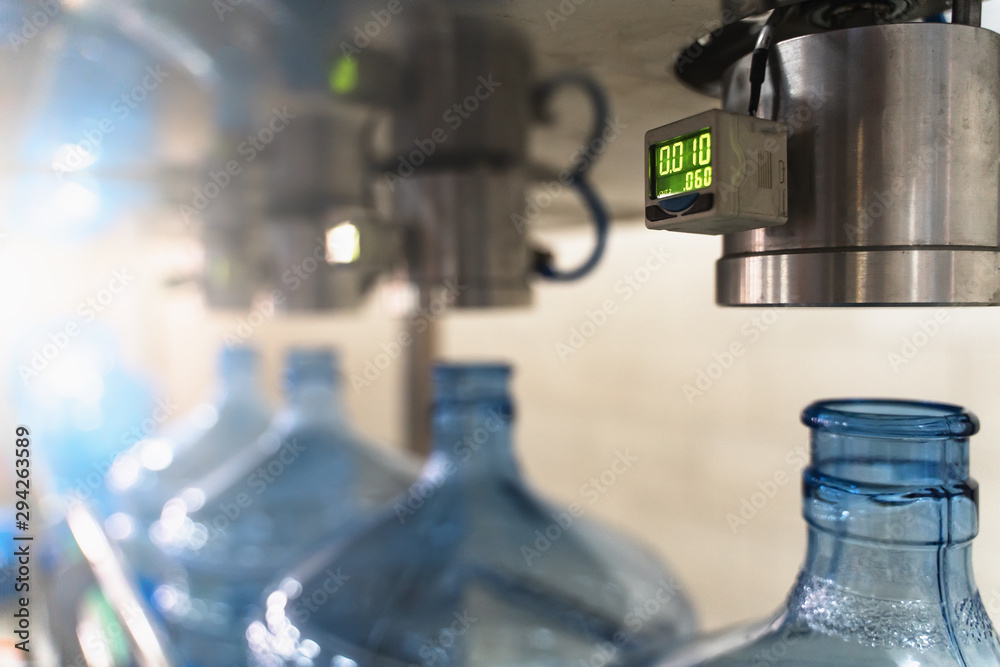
(470, 568)
(90, 612)
(159, 467)
(308, 477)
(892, 512)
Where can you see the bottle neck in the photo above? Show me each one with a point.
(240, 385)
(472, 440)
(886, 570)
(312, 386)
(905, 598)
(891, 514)
(315, 400)
(238, 373)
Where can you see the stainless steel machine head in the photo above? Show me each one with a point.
(893, 167)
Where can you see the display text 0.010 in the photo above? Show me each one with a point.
(681, 165)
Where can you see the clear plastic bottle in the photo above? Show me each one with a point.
(887, 581)
(85, 609)
(471, 568)
(159, 467)
(306, 478)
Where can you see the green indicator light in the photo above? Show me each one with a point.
(344, 75)
(680, 165)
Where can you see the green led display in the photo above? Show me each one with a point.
(344, 75)
(680, 165)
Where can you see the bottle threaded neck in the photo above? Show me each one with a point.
(468, 383)
(472, 417)
(890, 418)
(896, 472)
(890, 443)
(311, 366)
(237, 363)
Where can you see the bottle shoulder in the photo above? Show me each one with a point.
(258, 497)
(826, 624)
(490, 548)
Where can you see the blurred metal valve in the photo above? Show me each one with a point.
(462, 94)
(297, 224)
(893, 138)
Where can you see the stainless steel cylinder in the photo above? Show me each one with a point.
(467, 92)
(233, 235)
(894, 171)
(312, 171)
(460, 138)
(462, 236)
(313, 160)
(300, 275)
(457, 175)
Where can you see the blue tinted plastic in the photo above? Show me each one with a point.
(84, 406)
(8, 563)
(161, 466)
(469, 567)
(892, 512)
(303, 480)
(92, 613)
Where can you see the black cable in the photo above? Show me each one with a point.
(577, 173)
(602, 221)
(599, 101)
(758, 63)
